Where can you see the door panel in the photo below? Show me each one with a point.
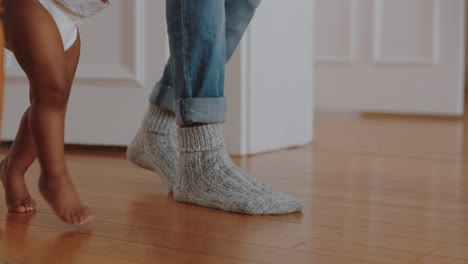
(404, 56)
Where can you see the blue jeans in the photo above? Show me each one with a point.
(203, 35)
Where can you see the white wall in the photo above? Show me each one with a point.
(274, 69)
(466, 48)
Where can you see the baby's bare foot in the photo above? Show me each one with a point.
(64, 199)
(17, 196)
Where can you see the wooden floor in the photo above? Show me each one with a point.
(376, 189)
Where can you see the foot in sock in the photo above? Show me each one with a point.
(62, 196)
(209, 178)
(17, 195)
(154, 146)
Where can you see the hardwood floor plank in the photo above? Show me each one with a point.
(85, 241)
(23, 252)
(232, 238)
(171, 247)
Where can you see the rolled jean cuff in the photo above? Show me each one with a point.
(163, 95)
(200, 110)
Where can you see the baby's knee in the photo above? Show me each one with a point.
(53, 93)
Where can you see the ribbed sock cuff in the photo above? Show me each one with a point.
(200, 138)
(158, 119)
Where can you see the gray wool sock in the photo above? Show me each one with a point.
(209, 178)
(154, 146)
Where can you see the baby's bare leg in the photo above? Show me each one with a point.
(12, 169)
(22, 154)
(37, 45)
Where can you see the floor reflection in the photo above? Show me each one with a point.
(30, 241)
(73, 240)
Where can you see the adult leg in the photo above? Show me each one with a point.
(238, 14)
(37, 45)
(154, 146)
(207, 176)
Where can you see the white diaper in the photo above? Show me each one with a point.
(67, 21)
(85, 8)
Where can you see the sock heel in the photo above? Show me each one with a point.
(136, 153)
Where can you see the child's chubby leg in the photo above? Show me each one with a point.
(36, 42)
(13, 167)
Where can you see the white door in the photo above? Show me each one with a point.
(404, 56)
(123, 52)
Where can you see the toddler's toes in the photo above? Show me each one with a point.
(29, 204)
(85, 216)
(16, 207)
(67, 216)
(76, 218)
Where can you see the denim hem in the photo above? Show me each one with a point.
(200, 110)
(163, 95)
